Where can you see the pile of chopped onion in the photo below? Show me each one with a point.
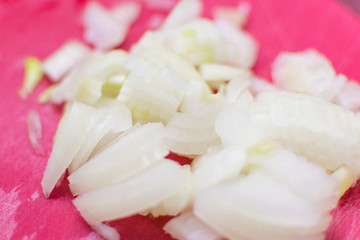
(270, 160)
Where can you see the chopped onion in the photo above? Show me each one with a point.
(175, 203)
(238, 16)
(309, 126)
(241, 47)
(345, 179)
(35, 131)
(45, 96)
(152, 95)
(115, 118)
(191, 132)
(234, 127)
(306, 72)
(123, 199)
(98, 66)
(64, 59)
(349, 96)
(236, 87)
(192, 8)
(257, 207)
(72, 131)
(32, 76)
(189, 227)
(298, 174)
(107, 29)
(121, 158)
(107, 232)
(126, 13)
(214, 167)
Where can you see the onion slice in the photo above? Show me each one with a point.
(187, 226)
(64, 59)
(71, 132)
(35, 131)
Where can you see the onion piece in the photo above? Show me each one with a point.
(175, 203)
(35, 131)
(126, 13)
(192, 8)
(32, 76)
(187, 226)
(238, 16)
(349, 96)
(130, 154)
(256, 207)
(308, 180)
(72, 131)
(97, 66)
(345, 179)
(191, 132)
(114, 118)
(323, 132)
(236, 128)
(198, 41)
(307, 72)
(64, 59)
(150, 94)
(45, 96)
(107, 29)
(123, 199)
(107, 232)
(236, 87)
(241, 48)
(215, 167)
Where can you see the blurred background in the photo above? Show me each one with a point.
(353, 4)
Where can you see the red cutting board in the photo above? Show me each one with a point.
(29, 27)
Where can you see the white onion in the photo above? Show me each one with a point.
(98, 67)
(71, 132)
(123, 199)
(175, 203)
(308, 180)
(349, 96)
(234, 127)
(152, 95)
(35, 131)
(131, 153)
(69, 55)
(235, 88)
(107, 29)
(186, 226)
(309, 126)
(192, 131)
(116, 118)
(238, 16)
(214, 167)
(306, 72)
(192, 8)
(256, 207)
(241, 47)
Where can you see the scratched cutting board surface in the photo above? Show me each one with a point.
(37, 28)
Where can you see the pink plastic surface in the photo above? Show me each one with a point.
(37, 28)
